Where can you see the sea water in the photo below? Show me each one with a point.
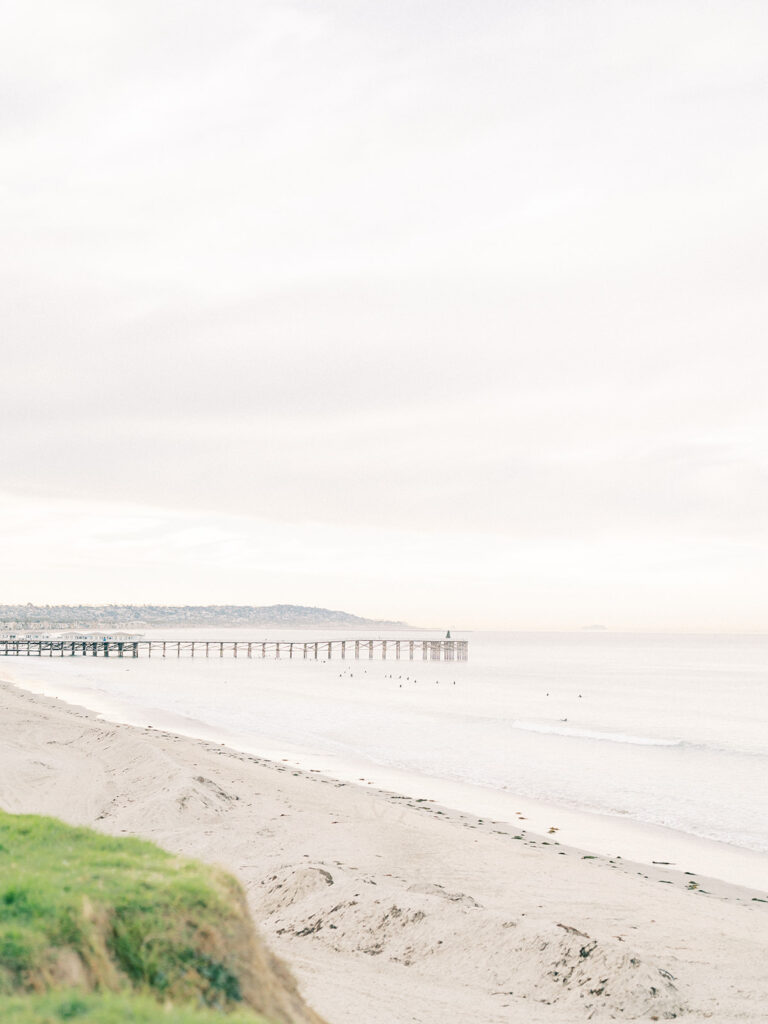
(668, 731)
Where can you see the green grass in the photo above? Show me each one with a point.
(107, 1008)
(80, 909)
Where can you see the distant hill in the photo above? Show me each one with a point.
(60, 616)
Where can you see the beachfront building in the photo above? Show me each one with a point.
(117, 637)
(24, 635)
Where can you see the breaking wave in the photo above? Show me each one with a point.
(560, 729)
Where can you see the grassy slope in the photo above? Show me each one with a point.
(107, 1008)
(79, 909)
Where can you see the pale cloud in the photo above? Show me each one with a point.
(377, 277)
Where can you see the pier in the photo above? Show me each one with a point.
(314, 650)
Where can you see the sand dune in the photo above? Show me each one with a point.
(392, 909)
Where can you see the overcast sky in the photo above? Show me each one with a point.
(446, 312)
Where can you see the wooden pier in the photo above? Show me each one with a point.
(315, 650)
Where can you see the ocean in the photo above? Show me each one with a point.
(663, 731)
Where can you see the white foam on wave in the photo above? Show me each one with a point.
(557, 729)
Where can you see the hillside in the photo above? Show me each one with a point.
(62, 616)
(88, 922)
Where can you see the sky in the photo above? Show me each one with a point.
(451, 313)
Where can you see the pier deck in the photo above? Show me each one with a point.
(315, 650)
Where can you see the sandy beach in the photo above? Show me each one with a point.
(392, 909)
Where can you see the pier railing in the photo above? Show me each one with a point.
(315, 650)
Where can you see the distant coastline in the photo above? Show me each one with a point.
(52, 617)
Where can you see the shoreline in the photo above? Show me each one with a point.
(391, 908)
(593, 832)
